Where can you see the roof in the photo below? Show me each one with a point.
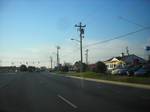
(127, 58)
(119, 58)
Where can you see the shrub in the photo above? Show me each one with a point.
(23, 68)
(64, 69)
(100, 67)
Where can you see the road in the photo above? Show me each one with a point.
(48, 92)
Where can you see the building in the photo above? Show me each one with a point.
(92, 67)
(122, 61)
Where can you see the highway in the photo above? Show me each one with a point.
(49, 92)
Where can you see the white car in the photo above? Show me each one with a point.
(119, 71)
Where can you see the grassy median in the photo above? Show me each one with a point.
(133, 79)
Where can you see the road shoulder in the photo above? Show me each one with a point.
(142, 86)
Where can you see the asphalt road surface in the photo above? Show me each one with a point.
(48, 92)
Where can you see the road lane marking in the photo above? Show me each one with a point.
(68, 102)
(11, 73)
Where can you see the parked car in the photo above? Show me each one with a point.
(115, 71)
(121, 71)
(142, 72)
(130, 71)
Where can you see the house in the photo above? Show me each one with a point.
(121, 61)
(92, 67)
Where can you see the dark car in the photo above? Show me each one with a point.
(130, 71)
(122, 71)
(142, 72)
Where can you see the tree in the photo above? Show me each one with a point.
(31, 68)
(85, 67)
(23, 68)
(77, 66)
(100, 67)
(64, 68)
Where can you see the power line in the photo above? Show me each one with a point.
(129, 21)
(117, 37)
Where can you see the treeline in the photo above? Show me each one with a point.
(98, 67)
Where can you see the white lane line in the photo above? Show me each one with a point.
(68, 102)
(11, 73)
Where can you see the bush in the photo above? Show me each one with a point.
(85, 67)
(23, 68)
(100, 67)
(78, 65)
(31, 69)
(65, 69)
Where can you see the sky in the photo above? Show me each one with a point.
(30, 30)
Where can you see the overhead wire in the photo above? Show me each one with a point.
(117, 37)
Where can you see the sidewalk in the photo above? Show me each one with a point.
(142, 86)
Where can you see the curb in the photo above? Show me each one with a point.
(141, 86)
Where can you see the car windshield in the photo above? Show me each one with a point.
(74, 55)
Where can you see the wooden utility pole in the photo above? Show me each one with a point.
(127, 51)
(51, 61)
(81, 30)
(58, 60)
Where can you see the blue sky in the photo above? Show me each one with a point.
(30, 30)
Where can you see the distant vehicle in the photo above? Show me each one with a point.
(43, 69)
(115, 71)
(37, 70)
(16, 70)
(121, 71)
(142, 72)
(130, 71)
(31, 69)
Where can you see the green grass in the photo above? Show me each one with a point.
(133, 79)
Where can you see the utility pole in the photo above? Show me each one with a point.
(58, 60)
(51, 61)
(86, 55)
(81, 30)
(127, 50)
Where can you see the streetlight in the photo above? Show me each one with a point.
(75, 40)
